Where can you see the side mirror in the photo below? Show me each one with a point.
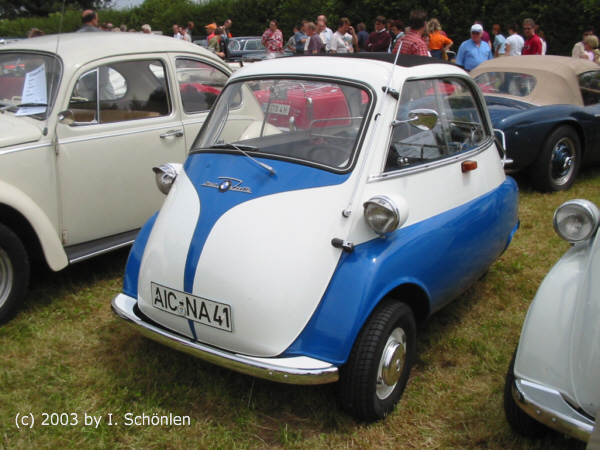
(66, 117)
(423, 119)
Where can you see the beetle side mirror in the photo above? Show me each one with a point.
(66, 117)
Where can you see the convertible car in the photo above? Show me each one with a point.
(328, 206)
(548, 109)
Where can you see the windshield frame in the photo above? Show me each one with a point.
(358, 141)
(57, 66)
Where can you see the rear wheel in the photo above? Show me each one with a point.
(14, 272)
(374, 378)
(558, 161)
(519, 421)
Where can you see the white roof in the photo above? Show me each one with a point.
(77, 48)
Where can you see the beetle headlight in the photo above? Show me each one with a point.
(576, 220)
(165, 176)
(384, 215)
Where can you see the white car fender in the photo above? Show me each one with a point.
(47, 234)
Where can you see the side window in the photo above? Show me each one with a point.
(199, 84)
(589, 83)
(458, 128)
(120, 92)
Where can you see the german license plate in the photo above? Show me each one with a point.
(276, 108)
(206, 312)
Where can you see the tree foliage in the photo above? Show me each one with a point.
(251, 17)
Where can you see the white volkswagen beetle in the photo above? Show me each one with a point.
(327, 207)
(554, 378)
(83, 119)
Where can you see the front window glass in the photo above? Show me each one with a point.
(458, 128)
(589, 83)
(120, 92)
(315, 121)
(199, 84)
(511, 83)
(28, 79)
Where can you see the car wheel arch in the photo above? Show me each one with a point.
(414, 296)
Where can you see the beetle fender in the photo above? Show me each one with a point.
(48, 235)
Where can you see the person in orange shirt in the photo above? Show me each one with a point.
(438, 41)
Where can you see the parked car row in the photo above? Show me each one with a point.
(316, 212)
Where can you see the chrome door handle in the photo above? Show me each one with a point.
(176, 133)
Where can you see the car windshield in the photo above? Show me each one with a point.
(511, 83)
(28, 83)
(313, 121)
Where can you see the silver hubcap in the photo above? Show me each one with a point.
(6, 276)
(563, 162)
(391, 364)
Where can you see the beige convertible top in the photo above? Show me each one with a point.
(556, 76)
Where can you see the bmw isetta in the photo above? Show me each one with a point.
(328, 206)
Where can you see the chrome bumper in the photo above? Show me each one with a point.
(548, 406)
(297, 370)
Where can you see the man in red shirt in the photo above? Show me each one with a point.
(533, 44)
(413, 43)
(379, 40)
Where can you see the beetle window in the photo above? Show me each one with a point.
(199, 84)
(589, 83)
(518, 84)
(458, 128)
(314, 121)
(120, 92)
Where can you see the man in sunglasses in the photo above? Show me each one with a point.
(474, 51)
(533, 43)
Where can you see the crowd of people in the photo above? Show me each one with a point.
(422, 36)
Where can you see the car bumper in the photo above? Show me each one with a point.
(295, 370)
(548, 406)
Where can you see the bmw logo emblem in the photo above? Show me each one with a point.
(224, 186)
(181, 311)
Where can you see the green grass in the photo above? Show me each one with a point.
(65, 352)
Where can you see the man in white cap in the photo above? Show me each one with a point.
(474, 51)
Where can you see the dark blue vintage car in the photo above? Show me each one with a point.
(548, 110)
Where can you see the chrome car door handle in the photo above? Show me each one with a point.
(176, 133)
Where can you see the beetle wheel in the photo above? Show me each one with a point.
(14, 272)
(374, 378)
(558, 161)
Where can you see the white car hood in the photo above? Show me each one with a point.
(17, 130)
(269, 258)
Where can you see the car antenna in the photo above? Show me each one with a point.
(347, 212)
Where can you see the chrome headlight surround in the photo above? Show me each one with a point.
(165, 176)
(576, 220)
(384, 215)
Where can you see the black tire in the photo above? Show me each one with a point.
(389, 335)
(557, 164)
(14, 272)
(518, 419)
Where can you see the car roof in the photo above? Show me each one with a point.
(556, 76)
(371, 69)
(78, 48)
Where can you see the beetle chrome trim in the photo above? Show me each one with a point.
(283, 370)
(550, 408)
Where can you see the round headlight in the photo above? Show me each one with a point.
(576, 220)
(381, 214)
(165, 176)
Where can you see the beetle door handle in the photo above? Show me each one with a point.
(176, 133)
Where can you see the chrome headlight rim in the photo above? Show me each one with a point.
(573, 215)
(382, 201)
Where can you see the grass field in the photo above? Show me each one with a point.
(65, 353)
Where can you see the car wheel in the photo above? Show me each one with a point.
(518, 419)
(14, 272)
(374, 378)
(558, 161)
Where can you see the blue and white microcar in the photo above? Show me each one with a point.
(328, 206)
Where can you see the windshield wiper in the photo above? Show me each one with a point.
(240, 148)
(29, 105)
